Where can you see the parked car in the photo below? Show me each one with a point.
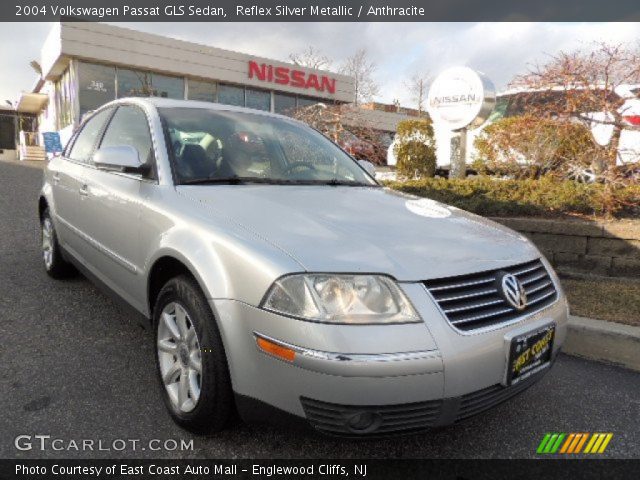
(280, 277)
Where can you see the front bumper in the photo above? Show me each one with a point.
(430, 369)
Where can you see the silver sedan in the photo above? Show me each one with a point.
(283, 282)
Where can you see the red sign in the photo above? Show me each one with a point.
(292, 77)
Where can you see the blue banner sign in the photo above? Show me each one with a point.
(52, 142)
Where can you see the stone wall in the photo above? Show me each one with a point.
(602, 248)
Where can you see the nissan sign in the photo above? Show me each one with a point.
(290, 76)
(461, 98)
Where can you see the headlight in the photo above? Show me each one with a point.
(340, 299)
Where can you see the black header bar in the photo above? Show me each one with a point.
(319, 11)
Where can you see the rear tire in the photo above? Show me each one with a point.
(54, 263)
(190, 358)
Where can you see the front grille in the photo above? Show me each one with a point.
(475, 301)
(335, 419)
(481, 400)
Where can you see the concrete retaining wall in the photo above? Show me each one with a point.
(601, 248)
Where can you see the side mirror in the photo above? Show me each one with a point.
(368, 166)
(124, 158)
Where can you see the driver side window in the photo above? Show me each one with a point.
(129, 126)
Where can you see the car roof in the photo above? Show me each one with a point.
(158, 102)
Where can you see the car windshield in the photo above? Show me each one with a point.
(219, 146)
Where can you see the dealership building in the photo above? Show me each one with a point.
(84, 65)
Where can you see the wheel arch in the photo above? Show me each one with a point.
(43, 204)
(164, 268)
(45, 200)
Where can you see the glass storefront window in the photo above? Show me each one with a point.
(284, 104)
(167, 87)
(65, 98)
(96, 86)
(307, 101)
(137, 83)
(231, 95)
(201, 91)
(134, 83)
(258, 99)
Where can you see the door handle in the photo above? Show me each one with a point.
(84, 191)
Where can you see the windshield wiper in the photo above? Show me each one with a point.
(232, 180)
(350, 183)
(237, 180)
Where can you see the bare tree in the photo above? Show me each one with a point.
(362, 70)
(417, 87)
(583, 86)
(311, 57)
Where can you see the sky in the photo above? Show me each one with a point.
(400, 50)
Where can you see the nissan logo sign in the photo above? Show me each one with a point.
(461, 98)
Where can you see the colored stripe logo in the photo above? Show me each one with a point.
(568, 443)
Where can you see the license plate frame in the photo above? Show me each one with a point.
(529, 353)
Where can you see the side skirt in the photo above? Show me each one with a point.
(142, 319)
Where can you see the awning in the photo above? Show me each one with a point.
(32, 102)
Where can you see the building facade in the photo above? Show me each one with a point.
(84, 65)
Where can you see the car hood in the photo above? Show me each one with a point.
(361, 229)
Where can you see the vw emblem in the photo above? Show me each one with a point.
(513, 291)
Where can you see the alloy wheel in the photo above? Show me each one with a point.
(179, 357)
(47, 242)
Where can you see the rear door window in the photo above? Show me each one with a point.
(88, 137)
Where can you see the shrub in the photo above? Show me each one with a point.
(547, 195)
(530, 146)
(414, 149)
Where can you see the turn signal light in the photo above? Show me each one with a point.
(276, 350)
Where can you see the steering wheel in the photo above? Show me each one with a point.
(289, 168)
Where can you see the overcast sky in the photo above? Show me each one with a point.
(500, 50)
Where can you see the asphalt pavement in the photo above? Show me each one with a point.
(75, 365)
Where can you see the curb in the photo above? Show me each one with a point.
(603, 341)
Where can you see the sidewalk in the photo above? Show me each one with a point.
(604, 341)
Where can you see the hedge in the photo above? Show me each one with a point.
(529, 146)
(497, 197)
(415, 149)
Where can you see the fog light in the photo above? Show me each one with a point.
(363, 422)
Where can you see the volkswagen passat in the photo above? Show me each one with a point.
(281, 278)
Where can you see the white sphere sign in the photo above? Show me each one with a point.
(461, 98)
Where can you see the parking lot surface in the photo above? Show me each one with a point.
(76, 365)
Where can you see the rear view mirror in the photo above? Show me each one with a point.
(368, 166)
(124, 158)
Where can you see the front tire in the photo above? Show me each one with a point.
(54, 263)
(190, 358)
